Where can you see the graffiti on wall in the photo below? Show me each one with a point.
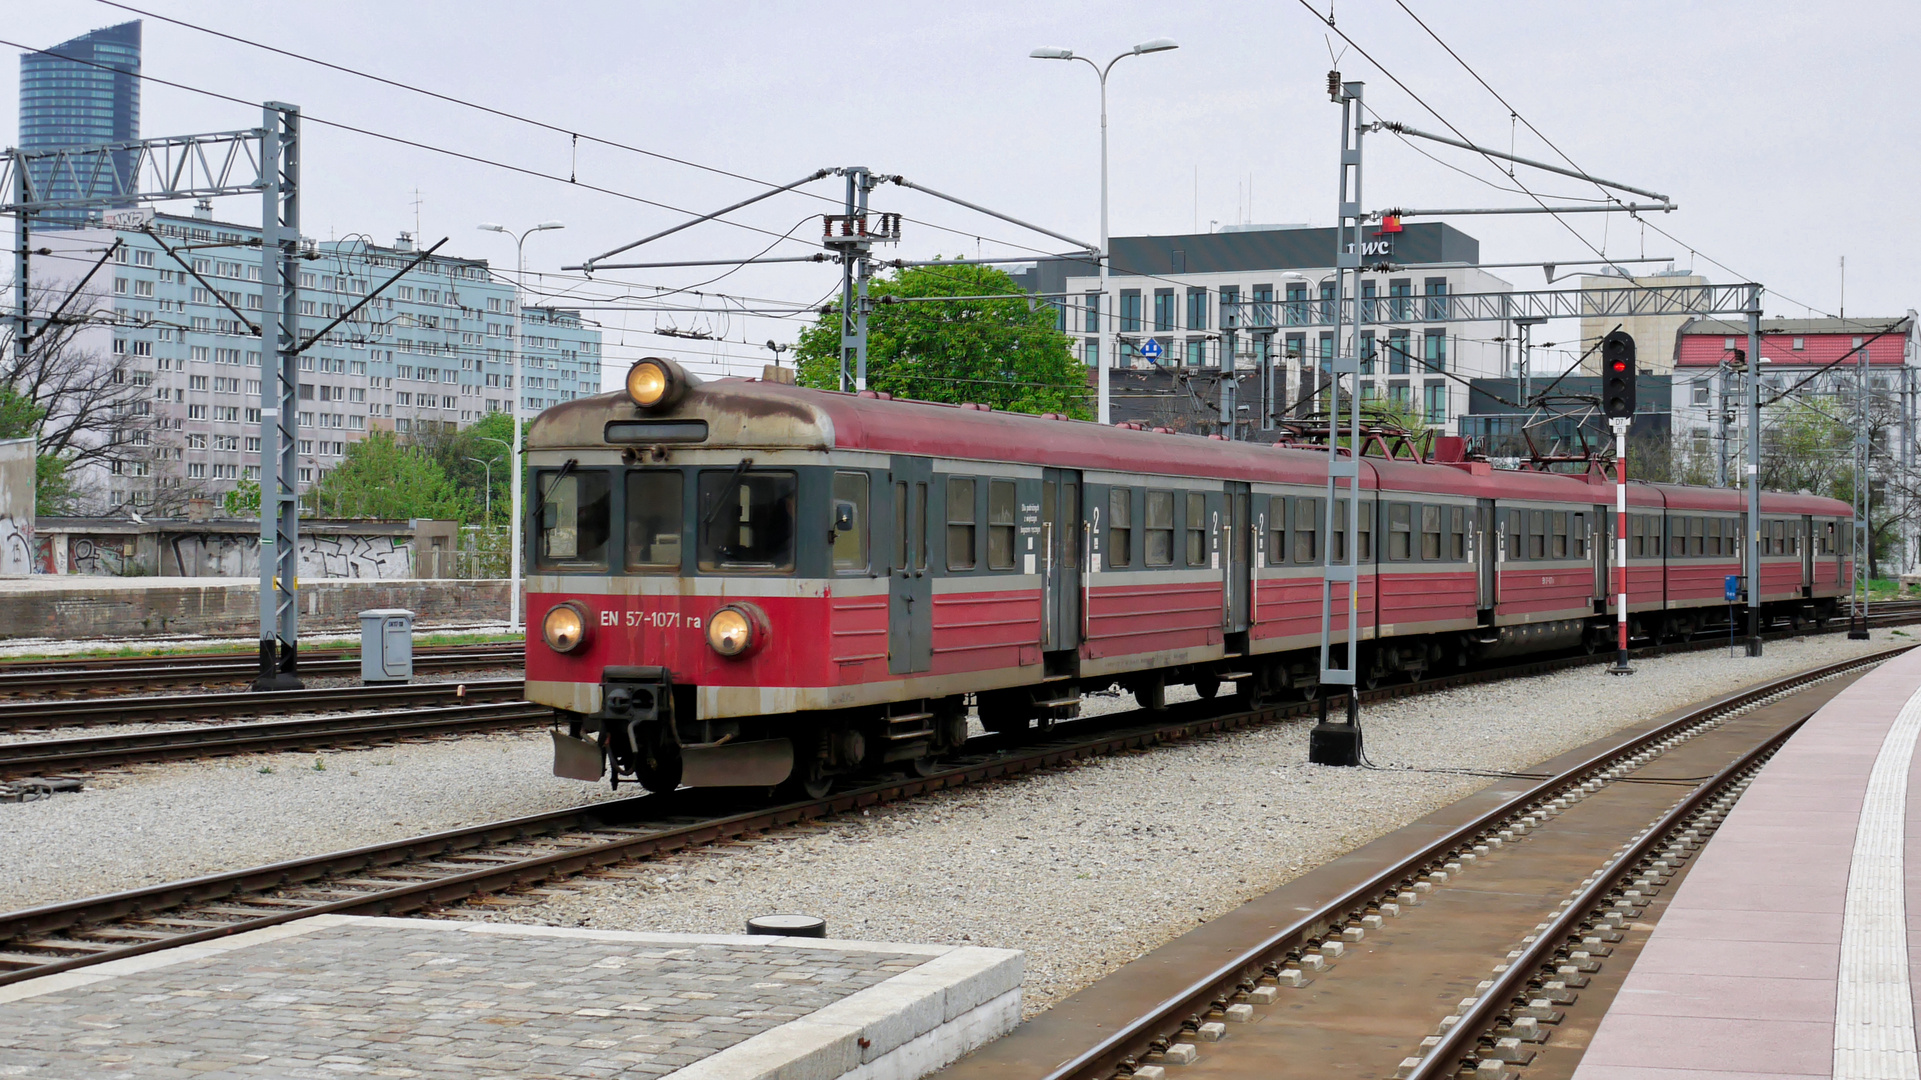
(325, 556)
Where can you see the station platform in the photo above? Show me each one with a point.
(1789, 947)
(333, 996)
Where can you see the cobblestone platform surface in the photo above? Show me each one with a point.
(336, 996)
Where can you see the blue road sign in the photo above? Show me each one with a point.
(1732, 586)
(1151, 349)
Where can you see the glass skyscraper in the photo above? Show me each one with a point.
(79, 93)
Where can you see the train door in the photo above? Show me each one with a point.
(1601, 548)
(1061, 559)
(1804, 539)
(1484, 550)
(1237, 520)
(910, 592)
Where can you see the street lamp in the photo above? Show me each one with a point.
(489, 466)
(1106, 355)
(520, 274)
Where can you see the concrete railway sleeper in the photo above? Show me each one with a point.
(433, 871)
(1461, 912)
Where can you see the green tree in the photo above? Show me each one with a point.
(473, 455)
(243, 500)
(1005, 353)
(381, 478)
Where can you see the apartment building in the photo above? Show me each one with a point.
(435, 349)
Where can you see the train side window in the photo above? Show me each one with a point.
(1120, 526)
(1697, 543)
(1071, 526)
(574, 519)
(1307, 525)
(747, 520)
(1400, 532)
(1654, 536)
(1577, 536)
(920, 524)
(1337, 540)
(1364, 529)
(1537, 534)
(1714, 536)
(900, 525)
(654, 516)
(1557, 522)
(960, 523)
(1001, 506)
(1457, 533)
(1197, 529)
(1516, 522)
(1637, 535)
(850, 522)
(1430, 532)
(1678, 533)
(1276, 530)
(1160, 528)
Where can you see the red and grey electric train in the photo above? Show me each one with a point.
(739, 582)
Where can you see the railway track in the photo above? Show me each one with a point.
(444, 868)
(1362, 961)
(88, 712)
(33, 678)
(86, 754)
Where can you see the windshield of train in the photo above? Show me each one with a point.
(747, 520)
(653, 520)
(573, 520)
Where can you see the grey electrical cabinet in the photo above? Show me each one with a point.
(387, 645)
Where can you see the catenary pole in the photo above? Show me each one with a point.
(1754, 471)
(279, 398)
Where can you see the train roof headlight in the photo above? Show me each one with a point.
(656, 383)
(564, 628)
(736, 630)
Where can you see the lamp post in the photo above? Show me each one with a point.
(520, 274)
(1105, 356)
(489, 466)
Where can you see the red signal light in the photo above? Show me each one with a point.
(1620, 365)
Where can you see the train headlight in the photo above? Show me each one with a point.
(736, 630)
(656, 383)
(564, 628)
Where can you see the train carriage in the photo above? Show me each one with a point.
(743, 582)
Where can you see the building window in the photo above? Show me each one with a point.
(1368, 302)
(1730, 344)
(1800, 343)
(1163, 310)
(1436, 300)
(1197, 309)
(1091, 352)
(1436, 350)
(1367, 352)
(1196, 352)
(1130, 311)
(1397, 352)
(1700, 390)
(1230, 307)
(1434, 407)
(1397, 395)
(1296, 347)
(1091, 312)
(1399, 307)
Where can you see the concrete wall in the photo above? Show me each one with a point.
(231, 548)
(81, 607)
(16, 506)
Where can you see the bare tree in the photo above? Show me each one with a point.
(95, 413)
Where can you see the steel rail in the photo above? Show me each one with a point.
(677, 834)
(78, 712)
(12, 665)
(1444, 1057)
(87, 753)
(43, 683)
(1168, 1017)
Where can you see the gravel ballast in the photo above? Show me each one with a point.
(1085, 867)
(1093, 864)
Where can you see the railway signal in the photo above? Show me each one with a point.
(1617, 401)
(1617, 376)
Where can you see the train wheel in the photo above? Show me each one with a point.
(661, 775)
(811, 780)
(1207, 685)
(925, 765)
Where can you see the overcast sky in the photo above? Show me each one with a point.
(1787, 132)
